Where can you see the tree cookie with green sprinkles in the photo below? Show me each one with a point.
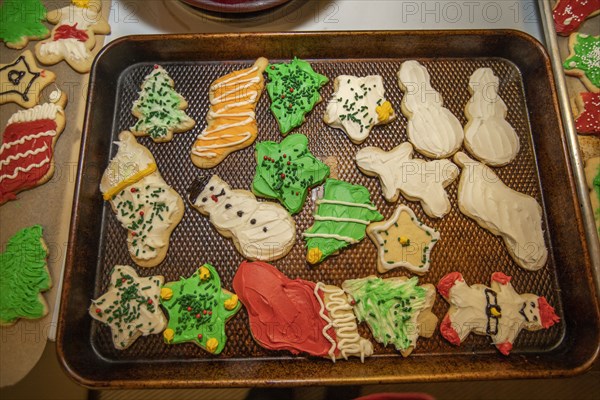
(198, 309)
(584, 60)
(286, 171)
(397, 310)
(130, 306)
(403, 241)
(159, 108)
(294, 91)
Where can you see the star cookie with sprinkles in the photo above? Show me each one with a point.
(22, 81)
(403, 241)
(294, 91)
(198, 309)
(286, 171)
(130, 306)
(584, 60)
(586, 107)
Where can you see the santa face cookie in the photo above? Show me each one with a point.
(22, 22)
(514, 216)
(259, 230)
(488, 136)
(416, 179)
(497, 311)
(130, 306)
(357, 105)
(231, 120)
(27, 151)
(22, 81)
(397, 310)
(432, 128)
(143, 202)
(569, 14)
(583, 60)
(586, 108)
(159, 108)
(198, 309)
(592, 177)
(24, 275)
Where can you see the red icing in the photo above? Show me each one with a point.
(505, 348)
(448, 331)
(447, 282)
(547, 315)
(284, 313)
(569, 14)
(589, 120)
(501, 278)
(24, 180)
(70, 32)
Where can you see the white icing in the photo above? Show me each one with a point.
(331, 236)
(55, 95)
(41, 111)
(24, 169)
(416, 179)
(6, 146)
(17, 156)
(432, 129)
(69, 48)
(488, 136)
(324, 316)
(514, 216)
(346, 203)
(339, 219)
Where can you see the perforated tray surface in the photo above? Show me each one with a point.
(464, 246)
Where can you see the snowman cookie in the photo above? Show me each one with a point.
(497, 311)
(259, 230)
(22, 81)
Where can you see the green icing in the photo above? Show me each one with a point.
(294, 91)
(191, 298)
(596, 184)
(23, 275)
(286, 171)
(336, 190)
(389, 306)
(586, 57)
(22, 18)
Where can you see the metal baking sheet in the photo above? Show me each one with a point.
(542, 170)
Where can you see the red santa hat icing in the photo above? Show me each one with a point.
(547, 315)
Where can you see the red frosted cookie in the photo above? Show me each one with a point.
(570, 14)
(586, 108)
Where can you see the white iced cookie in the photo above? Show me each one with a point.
(416, 179)
(432, 129)
(260, 230)
(357, 105)
(512, 215)
(488, 136)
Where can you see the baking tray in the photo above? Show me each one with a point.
(542, 169)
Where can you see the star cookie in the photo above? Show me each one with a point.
(22, 81)
(584, 60)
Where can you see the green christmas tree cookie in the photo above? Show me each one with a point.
(584, 59)
(341, 219)
(21, 21)
(294, 91)
(286, 171)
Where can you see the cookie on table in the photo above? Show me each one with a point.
(592, 177)
(160, 110)
(497, 311)
(357, 105)
(27, 151)
(130, 306)
(586, 109)
(198, 309)
(569, 14)
(294, 91)
(231, 119)
(584, 60)
(145, 205)
(22, 22)
(397, 310)
(24, 275)
(22, 81)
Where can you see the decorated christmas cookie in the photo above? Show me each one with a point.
(74, 36)
(259, 230)
(341, 219)
(143, 202)
(514, 216)
(130, 306)
(231, 120)
(297, 315)
(592, 177)
(22, 81)
(22, 22)
(160, 109)
(294, 91)
(497, 311)
(432, 128)
(584, 60)
(27, 151)
(397, 310)
(403, 241)
(357, 105)
(488, 136)
(416, 179)
(570, 14)
(198, 309)
(586, 107)
(286, 171)
(24, 276)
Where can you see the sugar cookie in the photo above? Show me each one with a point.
(22, 81)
